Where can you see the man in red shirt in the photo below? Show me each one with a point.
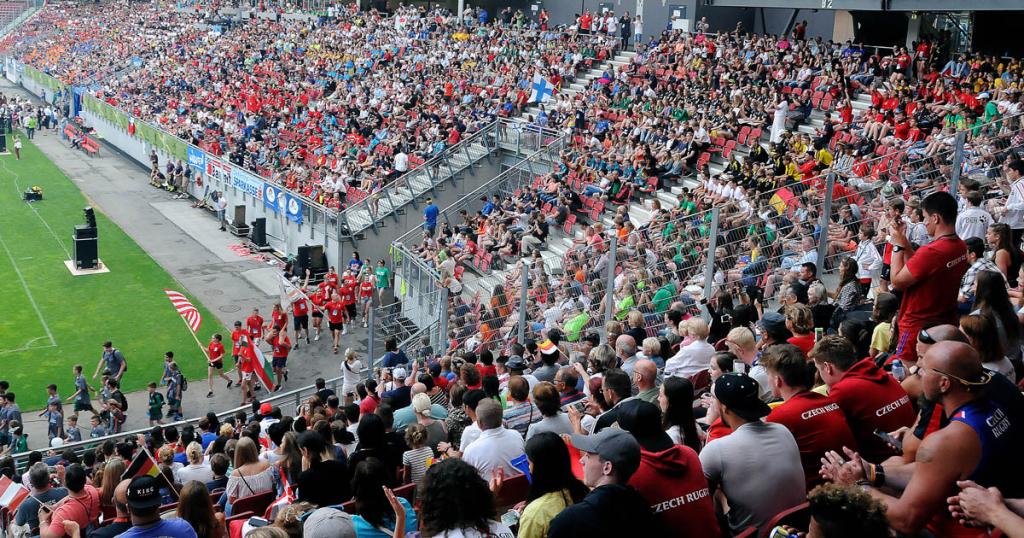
(336, 318)
(929, 276)
(817, 423)
(282, 345)
(366, 289)
(82, 505)
(347, 292)
(319, 299)
(245, 371)
(670, 477)
(300, 315)
(255, 325)
(870, 398)
(236, 351)
(215, 356)
(278, 319)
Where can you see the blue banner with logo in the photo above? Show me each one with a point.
(250, 184)
(293, 208)
(196, 160)
(273, 198)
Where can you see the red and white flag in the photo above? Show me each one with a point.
(11, 494)
(185, 309)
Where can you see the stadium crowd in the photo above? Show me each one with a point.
(334, 110)
(887, 404)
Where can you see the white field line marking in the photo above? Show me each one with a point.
(27, 292)
(40, 217)
(28, 345)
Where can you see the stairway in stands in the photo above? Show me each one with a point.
(640, 213)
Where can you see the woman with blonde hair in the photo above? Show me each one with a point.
(800, 322)
(196, 469)
(112, 472)
(693, 357)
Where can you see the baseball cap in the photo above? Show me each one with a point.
(739, 392)
(399, 373)
(614, 445)
(144, 493)
(984, 95)
(643, 420)
(772, 322)
(515, 362)
(328, 523)
(266, 409)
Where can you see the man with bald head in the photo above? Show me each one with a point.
(407, 415)
(122, 521)
(980, 442)
(625, 351)
(645, 380)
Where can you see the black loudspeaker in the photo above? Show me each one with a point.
(258, 234)
(239, 215)
(86, 254)
(84, 231)
(90, 217)
(302, 260)
(318, 259)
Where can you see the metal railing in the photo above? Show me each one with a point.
(294, 398)
(376, 205)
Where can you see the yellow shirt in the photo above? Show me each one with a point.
(881, 338)
(824, 157)
(537, 515)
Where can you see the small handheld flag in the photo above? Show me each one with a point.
(186, 309)
(143, 464)
(11, 494)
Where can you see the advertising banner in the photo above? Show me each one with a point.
(293, 208)
(220, 171)
(273, 198)
(246, 182)
(196, 160)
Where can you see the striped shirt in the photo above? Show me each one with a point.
(519, 417)
(418, 459)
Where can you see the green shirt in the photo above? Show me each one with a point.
(574, 326)
(688, 206)
(663, 297)
(383, 275)
(156, 403)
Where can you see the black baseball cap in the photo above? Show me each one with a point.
(144, 493)
(740, 393)
(614, 445)
(643, 420)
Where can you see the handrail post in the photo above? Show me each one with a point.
(523, 297)
(958, 162)
(709, 266)
(825, 218)
(609, 292)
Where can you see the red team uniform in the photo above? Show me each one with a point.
(216, 350)
(255, 325)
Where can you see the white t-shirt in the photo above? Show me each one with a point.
(496, 530)
(351, 374)
(401, 162)
(973, 222)
(494, 449)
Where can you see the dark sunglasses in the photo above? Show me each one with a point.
(925, 338)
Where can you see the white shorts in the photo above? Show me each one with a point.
(246, 376)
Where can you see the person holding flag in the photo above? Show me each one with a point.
(282, 345)
(215, 358)
(336, 318)
(237, 335)
(246, 367)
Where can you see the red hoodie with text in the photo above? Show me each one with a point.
(673, 483)
(872, 399)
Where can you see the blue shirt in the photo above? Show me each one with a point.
(365, 530)
(164, 528)
(208, 438)
(430, 214)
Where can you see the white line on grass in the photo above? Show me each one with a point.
(40, 217)
(27, 292)
(28, 345)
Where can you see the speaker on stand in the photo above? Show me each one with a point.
(258, 233)
(86, 242)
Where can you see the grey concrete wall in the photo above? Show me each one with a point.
(773, 21)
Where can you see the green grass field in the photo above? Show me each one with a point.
(52, 320)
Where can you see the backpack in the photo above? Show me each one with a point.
(184, 383)
(119, 396)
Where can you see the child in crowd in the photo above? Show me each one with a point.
(96, 428)
(420, 457)
(886, 305)
(54, 421)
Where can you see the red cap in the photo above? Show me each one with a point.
(266, 409)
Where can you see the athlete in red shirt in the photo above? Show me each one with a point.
(245, 371)
(336, 318)
(300, 313)
(331, 278)
(278, 319)
(366, 289)
(215, 354)
(870, 398)
(817, 423)
(347, 292)
(319, 300)
(282, 345)
(255, 325)
(237, 336)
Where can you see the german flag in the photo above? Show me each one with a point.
(143, 464)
